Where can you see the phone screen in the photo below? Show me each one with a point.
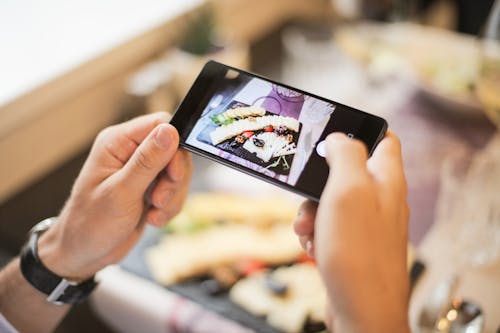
(267, 129)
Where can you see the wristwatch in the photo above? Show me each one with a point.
(58, 289)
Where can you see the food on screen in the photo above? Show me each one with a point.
(267, 145)
(255, 134)
(233, 129)
(238, 112)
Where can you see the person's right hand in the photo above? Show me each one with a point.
(135, 174)
(358, 235)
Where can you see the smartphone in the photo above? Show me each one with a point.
(267, 129)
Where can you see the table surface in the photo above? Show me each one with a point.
(428, 136)
(480, 285)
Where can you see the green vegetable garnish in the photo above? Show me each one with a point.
(221, 119)
(273, 165)
(285, 163)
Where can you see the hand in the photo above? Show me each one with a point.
(358, 235)
(134, 175)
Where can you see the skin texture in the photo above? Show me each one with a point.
(134, 175)
(358, 235)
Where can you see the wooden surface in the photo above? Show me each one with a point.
(46, 126)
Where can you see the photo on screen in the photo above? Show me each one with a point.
(260, 125)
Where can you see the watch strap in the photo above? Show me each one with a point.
(58, 289)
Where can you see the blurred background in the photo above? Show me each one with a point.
(430, 67)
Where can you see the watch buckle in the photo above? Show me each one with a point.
(59, 291)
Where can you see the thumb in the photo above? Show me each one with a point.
(346, 157)
(150, 158)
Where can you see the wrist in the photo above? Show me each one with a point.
(399, 324)
(58, 260)
(57, 282)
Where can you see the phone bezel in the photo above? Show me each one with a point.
(196, 96)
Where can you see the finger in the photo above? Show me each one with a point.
(310, 248)
(304, 223)
(307, 243)
(156, 217)
(329, 316)
(163, 192)
(346, 157)
(304, 240)
(150, 158)
(170, 210)
(165, 188)
(137, 129)
(120, 141)
(177, 168)
(386, 165)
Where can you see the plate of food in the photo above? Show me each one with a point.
(254, 134)
(443, 65)
(238, 255)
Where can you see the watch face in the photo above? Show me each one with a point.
(44, 225)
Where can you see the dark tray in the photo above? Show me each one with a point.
(220, 303)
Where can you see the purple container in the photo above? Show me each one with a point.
(283, 101)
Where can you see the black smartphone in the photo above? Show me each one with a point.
(267, 129)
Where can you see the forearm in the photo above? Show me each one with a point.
(25, 307)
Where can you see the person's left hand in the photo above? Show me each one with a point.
(360, 229)
(134, 175)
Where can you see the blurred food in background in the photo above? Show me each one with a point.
(443, 64)
(220, 229)
(242, 248)
(488, 86)
(289, 296)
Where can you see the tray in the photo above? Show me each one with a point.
(220, 303)
(204, 136)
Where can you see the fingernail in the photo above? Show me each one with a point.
(308, 247)
(163, 137)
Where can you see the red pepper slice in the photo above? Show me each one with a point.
(248, 134)
(250, 266)
(303, 258)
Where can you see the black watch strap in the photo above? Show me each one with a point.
(58, 289)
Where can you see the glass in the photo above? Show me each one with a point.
(470, 203)
(488, 85)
